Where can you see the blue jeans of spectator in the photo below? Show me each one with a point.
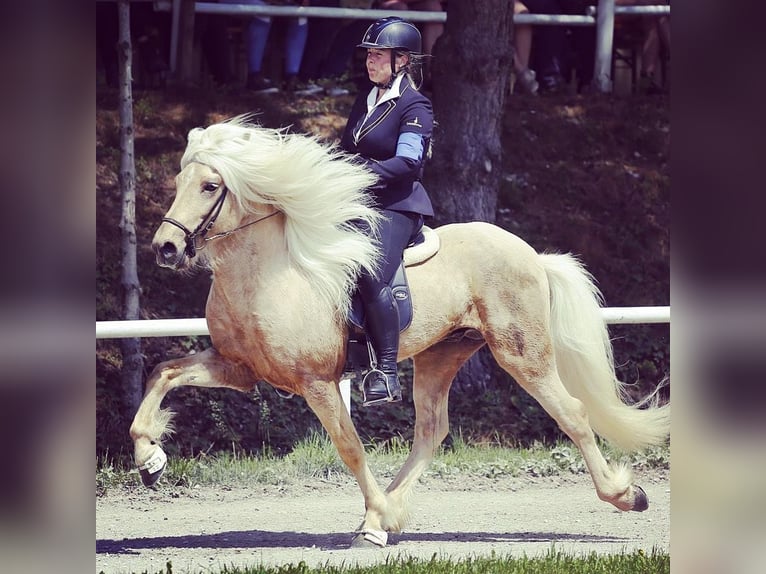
(258, 35)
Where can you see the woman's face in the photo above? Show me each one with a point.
(379, 64)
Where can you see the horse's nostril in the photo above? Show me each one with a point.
(167, 253)
(168, 249)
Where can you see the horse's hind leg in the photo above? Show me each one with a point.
(205, 369)
(536, 373)
(434, 371)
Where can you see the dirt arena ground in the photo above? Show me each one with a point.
(204, 529)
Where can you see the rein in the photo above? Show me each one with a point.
(206, 225)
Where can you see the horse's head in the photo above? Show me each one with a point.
(236, 174)
(200, 195)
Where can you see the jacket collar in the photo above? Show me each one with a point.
(393, 92)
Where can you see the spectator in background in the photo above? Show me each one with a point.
(331, 46)
(257, 37)
(580, 49)
(321, 33)
(656, 38)
(548, 46)
(526, 81)
(211, 29)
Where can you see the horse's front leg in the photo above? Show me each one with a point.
(205, 369)
(325, 400)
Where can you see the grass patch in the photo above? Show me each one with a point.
(315, 458)
(554, 562)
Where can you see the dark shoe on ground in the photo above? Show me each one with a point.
(260, 85)
(336, 91)
(335, 86)
(294, 86)
(553, 84)
(379, 388)
(526, 82)
(310, 89)
(298, 88)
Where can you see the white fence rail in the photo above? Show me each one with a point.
(197, 326)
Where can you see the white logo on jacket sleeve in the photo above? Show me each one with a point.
(415, 123)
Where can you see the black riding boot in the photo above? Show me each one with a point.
(381, 384)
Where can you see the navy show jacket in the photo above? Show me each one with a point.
(374, 138)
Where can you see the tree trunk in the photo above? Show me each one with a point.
(472, 66)
(132, 358)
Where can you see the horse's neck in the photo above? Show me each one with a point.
(247, 264)
(254, 276)
(263, 313)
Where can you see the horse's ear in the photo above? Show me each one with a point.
(195, 134)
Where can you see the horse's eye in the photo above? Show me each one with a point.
(210, 187)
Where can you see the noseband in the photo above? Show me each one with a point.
(206, 224)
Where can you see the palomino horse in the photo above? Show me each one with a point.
(284, 253)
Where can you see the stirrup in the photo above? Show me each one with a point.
(374, 371)
(390, 396)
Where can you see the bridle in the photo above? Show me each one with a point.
(206, 225)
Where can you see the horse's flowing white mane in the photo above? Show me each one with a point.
(320, 189)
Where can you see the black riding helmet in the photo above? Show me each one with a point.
(392, 33)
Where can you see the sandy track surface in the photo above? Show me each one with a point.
(206, 528)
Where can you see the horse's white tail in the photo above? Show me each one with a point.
(585, 362)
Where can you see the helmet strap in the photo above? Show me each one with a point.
(394, 73)
(390, 81)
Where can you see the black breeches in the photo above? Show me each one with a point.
(396, 231)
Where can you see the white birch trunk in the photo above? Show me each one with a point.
(132, 358)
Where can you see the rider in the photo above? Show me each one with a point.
(389, 129)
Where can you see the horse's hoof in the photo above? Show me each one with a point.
(370, 539)
(360, 541)
(641, 501)
(150, 478)
(152, 469)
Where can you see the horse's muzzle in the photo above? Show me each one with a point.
(168, 254)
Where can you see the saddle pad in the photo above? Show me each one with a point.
(423, 247)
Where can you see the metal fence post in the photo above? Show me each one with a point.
(602, 70)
